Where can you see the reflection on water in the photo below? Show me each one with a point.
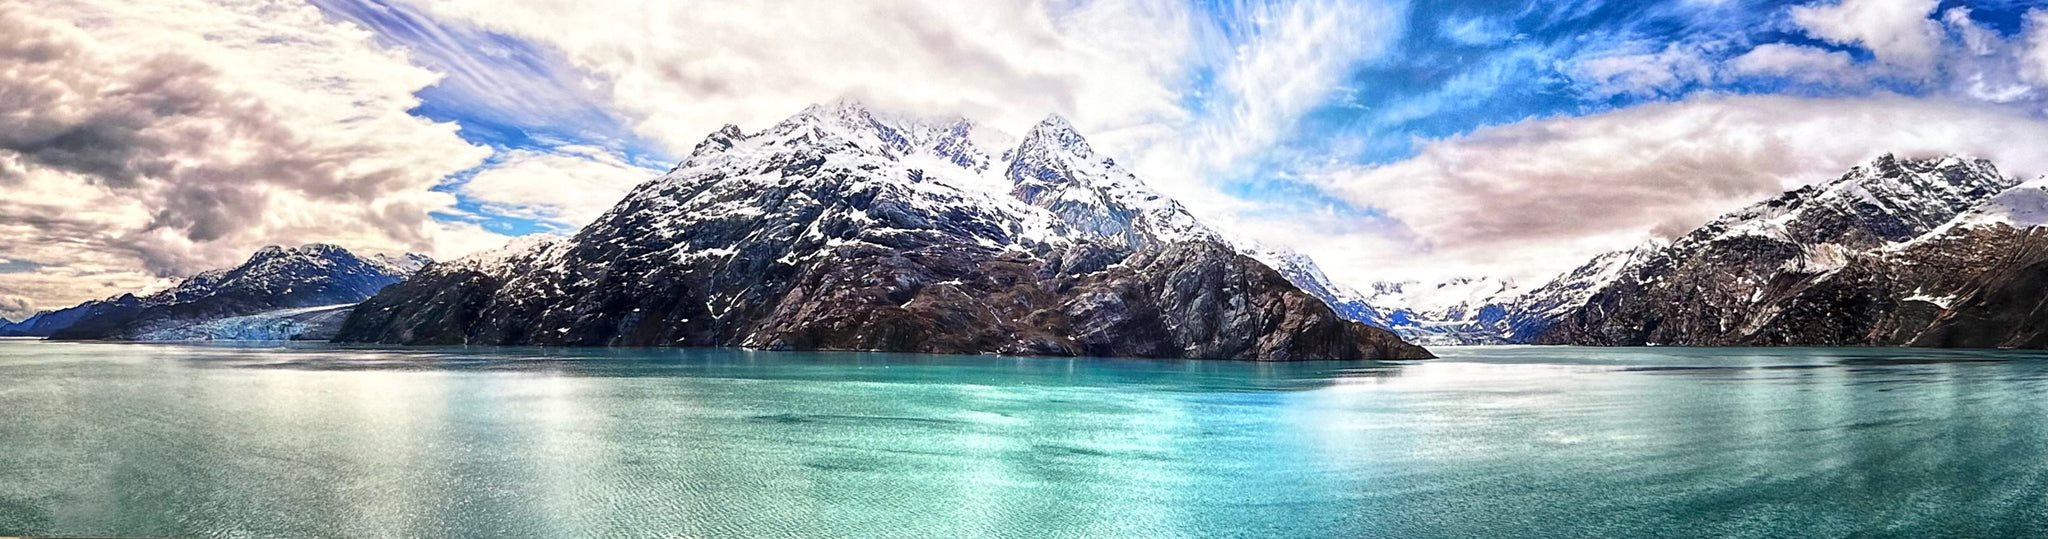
(317, 440)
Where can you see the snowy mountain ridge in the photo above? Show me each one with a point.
(1821, 264)
(843, 228)
(272, 278)
(1050, 189)
(1888, 203)
(2023, 206)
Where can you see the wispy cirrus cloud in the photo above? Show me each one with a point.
(683, 71)
(1264, 66)
(502, 89)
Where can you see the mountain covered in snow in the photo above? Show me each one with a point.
(1932, 252)
(1937, 252)
(279, 293)
(848, 229)
(1463, 310)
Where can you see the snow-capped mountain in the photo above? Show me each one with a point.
(1826, 264)
(1980, 280)
(1757, 275)
(1473, 310)
(1455, 298)
(1531, 313)
(1093, 197)
(274, 278)
(1464, 310)
(1303, 272)
(844, 228)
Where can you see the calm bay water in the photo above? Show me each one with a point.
(315, 440)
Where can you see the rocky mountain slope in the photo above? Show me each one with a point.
(841, 228)
(276, 282)
(1896, 251)
(1531, 313)
(42, 324)
(1309, 277)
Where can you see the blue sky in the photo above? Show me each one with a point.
(1460, 66)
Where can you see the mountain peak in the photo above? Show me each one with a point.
(1055, 132)
(404, 264)
(1949, 168)
(314, 250)
(1885, 200)
(1055, 121)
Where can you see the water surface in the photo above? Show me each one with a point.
(318, 440)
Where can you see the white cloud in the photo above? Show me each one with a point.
(1799, 63)
(1533, 198)
(1897, 32)
(15, 308)
(1664, 72)
(566, 188)
(686, 69)
(163, 138)
(2035, 64)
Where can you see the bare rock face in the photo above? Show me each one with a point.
(843, 229)
(1895, 252)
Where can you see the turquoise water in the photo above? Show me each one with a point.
(316, 441)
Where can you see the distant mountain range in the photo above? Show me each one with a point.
(842, 228)
(278, 294)
(845, 229)
(1927, 252)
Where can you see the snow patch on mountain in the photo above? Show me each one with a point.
(2023, 206)
(498, 261)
